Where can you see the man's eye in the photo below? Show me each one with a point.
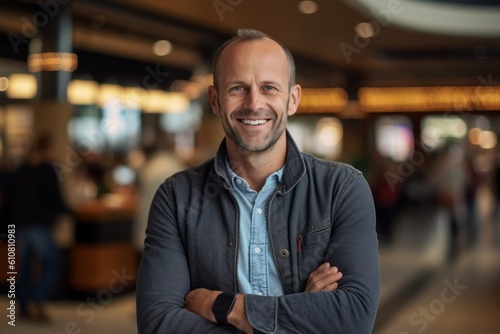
(237, 88)
(269, 88)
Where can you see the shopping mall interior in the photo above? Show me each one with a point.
(406, 91)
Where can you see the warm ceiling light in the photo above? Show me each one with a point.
(22, 86)
(134, 96)
(53, 61)
(487, 139)
(308, 7)
(403, 99)
(329, 130)
(159, 101)
(474, 135)
(365, 30)
(154, 101)
(322, 100)
(176, 102)
(109, 93)
(4, 84)
(162, 48)
(192, 89)
(83, 92)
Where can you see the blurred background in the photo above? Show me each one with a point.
(406, 91)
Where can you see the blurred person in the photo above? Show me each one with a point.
(98, 172)
(472, 185)
(496, 209)
(14, 156)
(386, 193)
(36, 201)
(160, 163)
(5, 209)
(261, 238)
(450, 179)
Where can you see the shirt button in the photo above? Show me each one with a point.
(284, 253)
(259, 211)
(257, 250)
(238, 181)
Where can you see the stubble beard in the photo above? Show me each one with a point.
(271, 139)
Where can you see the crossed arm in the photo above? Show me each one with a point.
(200, 301)
(336, 303)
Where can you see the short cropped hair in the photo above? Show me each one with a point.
(253, 35)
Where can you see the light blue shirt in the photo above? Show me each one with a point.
(257, 273)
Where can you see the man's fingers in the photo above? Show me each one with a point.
(325, 283)
(320, 270)
(323, 278)
(323, 271)
(331, 287)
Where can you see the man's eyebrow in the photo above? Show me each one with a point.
(271, 83)
(234, 83)
(243, 83)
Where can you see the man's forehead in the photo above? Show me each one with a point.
(256, 46)
(255, 54)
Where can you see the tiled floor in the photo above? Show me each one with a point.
(80, 317)
(419, 248)
(461, 299)
(463, 296)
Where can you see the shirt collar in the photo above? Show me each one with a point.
(233, 177)
(295, 166)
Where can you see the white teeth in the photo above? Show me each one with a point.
(253, 121)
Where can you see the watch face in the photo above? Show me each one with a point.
(224, 303)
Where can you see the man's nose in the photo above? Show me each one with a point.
(253, 100)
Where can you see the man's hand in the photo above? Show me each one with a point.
(200, 301)
(323, 278)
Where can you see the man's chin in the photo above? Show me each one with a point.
(257, 147)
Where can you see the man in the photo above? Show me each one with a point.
(36, 202)
(160, 163)
(262, 238)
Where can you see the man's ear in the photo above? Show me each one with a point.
(294, 100)
(212, 97)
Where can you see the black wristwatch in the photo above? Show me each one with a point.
(222, 307)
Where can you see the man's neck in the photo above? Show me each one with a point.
(254, 167)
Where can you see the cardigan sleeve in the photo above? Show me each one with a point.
(164, 279)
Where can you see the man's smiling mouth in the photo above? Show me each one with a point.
(254, 121)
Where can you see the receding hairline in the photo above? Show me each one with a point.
(249, 35)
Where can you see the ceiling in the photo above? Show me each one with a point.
(419, 42)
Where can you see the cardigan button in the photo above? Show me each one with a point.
(284, 253)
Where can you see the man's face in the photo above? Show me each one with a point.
(253, 98)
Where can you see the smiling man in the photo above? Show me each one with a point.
(262, 238)
(253, 96)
